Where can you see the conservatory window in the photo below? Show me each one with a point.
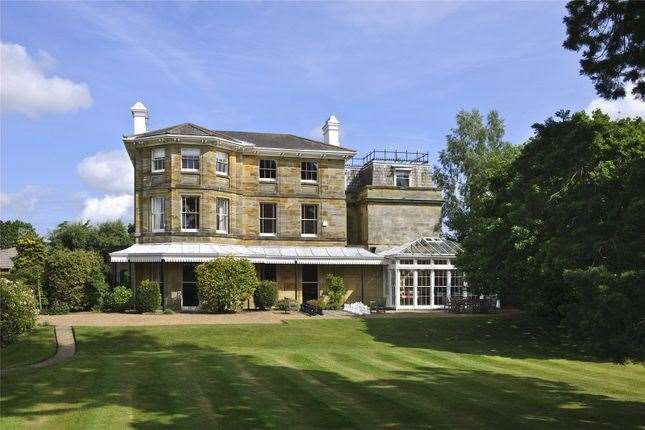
(440, 287)
(424, 287)
(406, 293)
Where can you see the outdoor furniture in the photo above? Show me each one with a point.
(377, 306)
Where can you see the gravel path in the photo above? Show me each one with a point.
(64, 351)
(99, 319)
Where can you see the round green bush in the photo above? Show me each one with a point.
(335, 291)
(265, 295)
(148, 296)
(120, 299)
(70, 276)
(18, 310)
(224, 284)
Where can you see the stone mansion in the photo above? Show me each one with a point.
(297, 208)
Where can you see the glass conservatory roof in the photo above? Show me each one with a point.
(423, 247)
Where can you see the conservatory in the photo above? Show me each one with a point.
(421, 274)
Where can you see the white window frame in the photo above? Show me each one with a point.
(194, 154)
(314, 171)
(303, 220)
(155, 157)
(183, 212)
(154, 212)
(396, 172)
(222, 211)
(221, 163)
(269, 169)
(275, 219)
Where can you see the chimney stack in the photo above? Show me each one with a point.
(331, 131)
(140, 116)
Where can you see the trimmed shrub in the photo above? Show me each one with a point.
(286, 304)
(265, 295)
(70, 275)
(335, 291)
(18, 310)
(120, 299)
(97, 292)
(148, 296)
(224, 284)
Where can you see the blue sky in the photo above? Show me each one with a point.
(395, 75)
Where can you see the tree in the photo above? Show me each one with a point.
(73, 278)
(29, 263)
(612, 36)
(103, 238)
(10, 231)
(471, 148)
(563, 232)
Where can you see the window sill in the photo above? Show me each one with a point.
(157, 171)
(159, 231)
(189, 171)
(308, 182)
(269, 180)
(308, 235)
(267, 234)
(190, 230)
(221, 174)
(221, 232)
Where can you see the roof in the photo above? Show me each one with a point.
(261, 140)
(5, 257)
(200, 252)
(424, 246)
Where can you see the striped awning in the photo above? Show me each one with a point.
(201, 252)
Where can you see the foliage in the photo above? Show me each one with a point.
(10, 231)
(473, 153)
(29, 263)
(611, 37)
(562, 232)
(286, 304)
(168, 311)
(148, 298)
(103, 238)
(265, 295)
(97, 292)
(335, 291)
(225, 283)
(72, 277)
(62, 309)
(18, 310)
(120, 299)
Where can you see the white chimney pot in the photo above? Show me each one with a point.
(140, 117)
(331, 131)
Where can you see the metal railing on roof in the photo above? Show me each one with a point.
(393, 156)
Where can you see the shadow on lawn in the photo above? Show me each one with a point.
(513, 336)
(182, 385)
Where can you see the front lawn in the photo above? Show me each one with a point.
(445, 372)
(30, 348)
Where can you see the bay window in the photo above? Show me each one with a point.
(158, 160)
(157, 210)
(190, 159)
(222, 215)
(221, 163)
(189, 213)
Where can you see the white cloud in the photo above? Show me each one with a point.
(110, 172)
(108, 207)
(627, 107)
(26, 88)
(22, 201)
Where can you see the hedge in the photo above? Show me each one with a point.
(73, 278)
(18, 310)
(266, 295)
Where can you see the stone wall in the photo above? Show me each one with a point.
(245, 192)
